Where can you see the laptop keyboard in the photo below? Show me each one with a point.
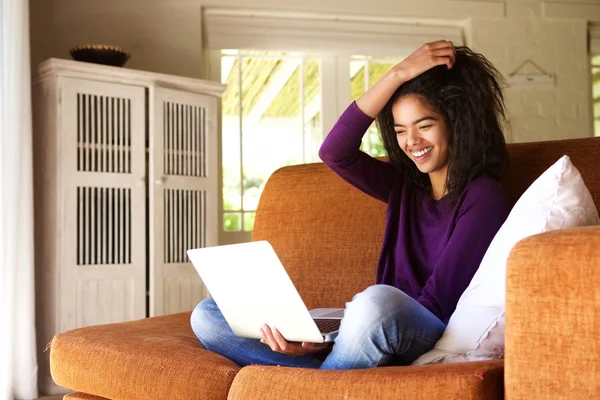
(328, 325)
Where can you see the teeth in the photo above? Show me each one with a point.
(422, 152)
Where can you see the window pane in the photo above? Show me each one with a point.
(253, 186)
(357, 78)
(272, 130)
(232, 222)
(232, 194)
(313, 126)
(272, 122)
(249, 221)
(372, 143)
(364, 73)
(280, 113)
(377, 149)
(596, 93)
(377, 69)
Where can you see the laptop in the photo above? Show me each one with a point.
(251, 287)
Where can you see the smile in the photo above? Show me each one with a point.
(421, 153)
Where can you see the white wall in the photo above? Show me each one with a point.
(165, 36)
(559, 46)
(162, 36)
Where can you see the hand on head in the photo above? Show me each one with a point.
(424, 58)
(441, 52)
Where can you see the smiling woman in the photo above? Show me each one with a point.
(467, 102)
(441, 217)
(439, 111)
(422, 135)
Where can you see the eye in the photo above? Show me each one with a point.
(425, 127)
(400, 132)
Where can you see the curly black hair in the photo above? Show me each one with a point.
(469, 96)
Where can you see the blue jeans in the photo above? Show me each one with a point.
(381, 326)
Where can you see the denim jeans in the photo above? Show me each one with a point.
(381, 326)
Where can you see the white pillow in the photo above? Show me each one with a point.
(490, 346)
(557, 199)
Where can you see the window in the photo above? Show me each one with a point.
(596, 93)
(273, 114)
(271, 118)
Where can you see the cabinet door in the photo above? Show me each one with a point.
(183, 195)
(103, 252)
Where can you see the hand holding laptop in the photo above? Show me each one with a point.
(276, 342)
(252, 289)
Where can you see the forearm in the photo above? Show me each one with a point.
(374, 99)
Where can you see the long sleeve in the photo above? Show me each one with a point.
(481, 215)
(341, 153)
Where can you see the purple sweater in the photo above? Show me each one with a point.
(430, 249)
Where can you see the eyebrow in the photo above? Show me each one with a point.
(419, 120)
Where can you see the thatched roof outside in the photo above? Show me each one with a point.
(259, 69)
(596, 93)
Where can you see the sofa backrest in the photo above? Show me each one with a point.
(529, 160)
(328, 235)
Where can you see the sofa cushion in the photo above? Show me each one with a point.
(465, 381)
(153, 358)
(557, 199)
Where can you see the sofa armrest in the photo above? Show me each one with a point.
(464, 381)
(552, 316)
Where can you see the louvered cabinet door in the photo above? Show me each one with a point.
(103, 230)
(183, 199)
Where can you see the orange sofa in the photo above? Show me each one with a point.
(313, 220)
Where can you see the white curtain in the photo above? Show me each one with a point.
(18, 364)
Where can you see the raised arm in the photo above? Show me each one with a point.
(341, 149)
(483, 212)
(341, 153)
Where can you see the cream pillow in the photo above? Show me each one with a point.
(490, 346)
(557, 199)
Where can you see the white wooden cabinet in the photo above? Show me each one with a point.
(126, 181)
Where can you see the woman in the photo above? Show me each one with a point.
(440, 112)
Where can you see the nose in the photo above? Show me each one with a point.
(412, 138)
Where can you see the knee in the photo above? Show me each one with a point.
(378, 297)
(380, 293)
(202, 311)
(375, 303)
(203, 320)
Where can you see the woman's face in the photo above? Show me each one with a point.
(421, 133)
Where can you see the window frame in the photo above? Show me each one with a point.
(335, 97)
